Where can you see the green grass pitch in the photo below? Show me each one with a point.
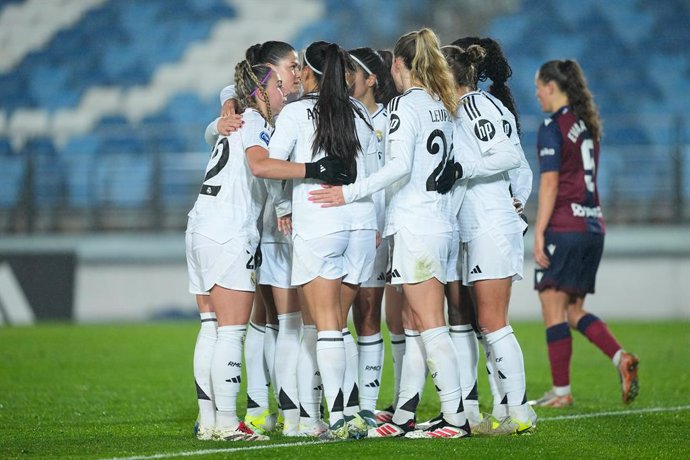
(108, 391)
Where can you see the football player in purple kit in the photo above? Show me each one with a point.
(569, 231)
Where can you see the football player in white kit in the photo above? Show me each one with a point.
(420, 138)
(373, 87)
(333, 250)
(491, 232)
(221, 242)
(496, 68)
(274, 300)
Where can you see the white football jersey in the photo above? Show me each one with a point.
(292, 140)
(231, 198)
(483, 145)
(420, 132)
(520, 178)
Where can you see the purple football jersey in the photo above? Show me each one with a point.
(565, 145)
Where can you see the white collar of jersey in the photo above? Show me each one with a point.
(470, 93)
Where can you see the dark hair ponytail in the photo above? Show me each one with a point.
(270, 52)
(495, 67)
(570, 79)
(384, 90)
(464, 63)
(336, 132)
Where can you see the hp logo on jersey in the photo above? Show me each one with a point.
(484, 130)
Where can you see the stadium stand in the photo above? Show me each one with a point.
(104, 102)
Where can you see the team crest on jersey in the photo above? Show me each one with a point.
(379, 135)
(394, 123)
(264, 137)
(484, 130)
(507, 128)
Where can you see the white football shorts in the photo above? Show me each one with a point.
(454, 272)
(231, 265)
(378, 276)
(418, 258)
(275, 269)
(347, 254)
(493, 255)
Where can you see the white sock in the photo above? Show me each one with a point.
(443, 364)
(269, 357)
(617, 358)
(226, 374)
(412, 378)
(500, 402)
(397, 352)
(290, 325)
(203, 356)
(467, 351)
(257, 385)
(370, 367)
(510, 366)
(350, 381)
(308, 376)
(562, 391)
(330, 354)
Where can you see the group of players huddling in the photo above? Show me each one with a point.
(387, 173)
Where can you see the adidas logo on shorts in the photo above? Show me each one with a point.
(476, 270)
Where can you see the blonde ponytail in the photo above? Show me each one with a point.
(430, 70)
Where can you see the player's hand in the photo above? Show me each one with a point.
(519, 207)
(540, 257)
(285, 224)
(329, 170)
(378, 239)
(328, 196)
(230, 107)
(229, 124)
(452, 171)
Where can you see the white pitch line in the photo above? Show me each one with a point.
(192, 453)
(313, 443)
(615, 413)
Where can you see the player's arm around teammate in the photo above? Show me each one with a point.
(332, 249)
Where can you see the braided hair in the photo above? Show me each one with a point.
(251, 80)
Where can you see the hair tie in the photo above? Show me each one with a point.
(263, 82)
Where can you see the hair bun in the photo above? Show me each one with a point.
(475, 54)
(253, 53)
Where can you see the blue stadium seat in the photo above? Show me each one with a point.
(12, 175)
(124, 180)
(80, 172)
